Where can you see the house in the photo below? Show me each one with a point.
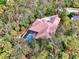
(43, 28)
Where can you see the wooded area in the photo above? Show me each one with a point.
(16, 16)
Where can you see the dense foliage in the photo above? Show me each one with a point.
(17, 15)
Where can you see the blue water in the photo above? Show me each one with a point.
(75, 18)
(29, 38)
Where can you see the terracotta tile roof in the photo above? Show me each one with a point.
(45, 26)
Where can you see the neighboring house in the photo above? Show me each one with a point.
(70, 10)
